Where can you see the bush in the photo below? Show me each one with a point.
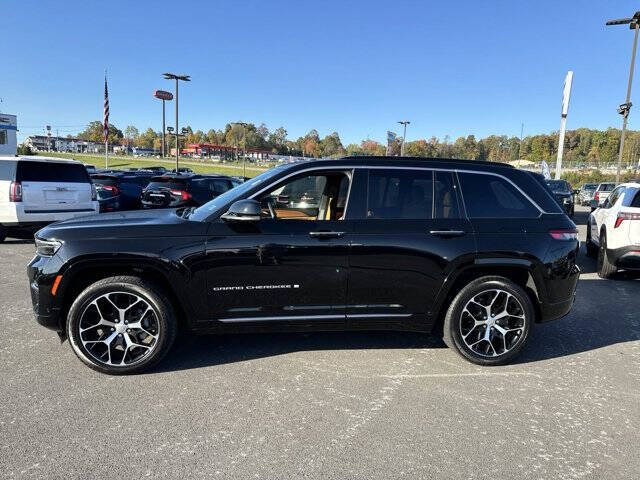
(25, 150)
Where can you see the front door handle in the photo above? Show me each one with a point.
(324, 234)
(447, 233)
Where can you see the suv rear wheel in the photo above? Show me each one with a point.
(489, 321)
(121, 325)
(605, 268)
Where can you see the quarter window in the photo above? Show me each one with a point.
(489, 196)
(400, 194)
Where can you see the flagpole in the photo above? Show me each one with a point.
(105, 127)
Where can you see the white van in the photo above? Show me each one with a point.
(35, 191)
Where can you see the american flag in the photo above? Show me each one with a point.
(105, 126)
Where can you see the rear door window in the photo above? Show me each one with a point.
(489, 196)
(51, 172)
(400, 194)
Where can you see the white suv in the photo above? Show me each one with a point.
(613, 231)
(35, 191)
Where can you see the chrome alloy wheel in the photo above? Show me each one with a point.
(119, 329)
(492, 323)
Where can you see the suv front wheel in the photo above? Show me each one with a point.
(489, 321)
(121, 325)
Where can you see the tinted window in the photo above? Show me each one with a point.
(636, 200)
(558, 185)
(607, 187)
(613, 198)
(167, 183)
(219, 186)
(444, 194)
(488, 196)
(51, 172)
(400, 194)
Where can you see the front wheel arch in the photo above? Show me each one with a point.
(79, 276)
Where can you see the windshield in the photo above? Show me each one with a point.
(558, 185)
(203, 212)
(589, 186)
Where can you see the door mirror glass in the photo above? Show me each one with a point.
(243, 211)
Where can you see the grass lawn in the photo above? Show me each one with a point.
(124, 162)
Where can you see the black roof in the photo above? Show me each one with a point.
(404, 161)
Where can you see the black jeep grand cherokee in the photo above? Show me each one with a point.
(477, 252)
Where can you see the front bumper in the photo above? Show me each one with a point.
(42, 272)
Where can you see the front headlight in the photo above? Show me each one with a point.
(47, 248)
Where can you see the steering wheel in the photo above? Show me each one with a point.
(271, 204)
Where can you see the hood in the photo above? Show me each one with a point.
(131, 224)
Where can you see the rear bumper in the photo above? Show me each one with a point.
(18, 216)
(627, 258)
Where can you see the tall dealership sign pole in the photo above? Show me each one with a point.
(162, 95)
(566, 95)
(625, 108)
(177, 78)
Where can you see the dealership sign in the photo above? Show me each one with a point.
(162, 95)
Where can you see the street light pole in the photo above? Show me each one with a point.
(244, 136)
(163, 128)
(625, 108)
(177, 78)
(404, 135)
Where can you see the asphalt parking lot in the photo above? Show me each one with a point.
(339, 405)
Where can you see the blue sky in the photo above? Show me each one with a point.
(452, 68)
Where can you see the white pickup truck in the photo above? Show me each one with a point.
(35, 191)
(603, 190)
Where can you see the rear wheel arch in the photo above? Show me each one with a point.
(522, 275)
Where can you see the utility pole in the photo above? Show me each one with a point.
(177, 78)
(404, 123)
(625, 108)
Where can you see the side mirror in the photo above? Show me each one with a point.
(243, 211)
(576, 191)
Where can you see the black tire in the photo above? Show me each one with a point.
(573, 211)
(3, 233)
(605, 268)
(156, 300)
(452, 335)
(592, 250)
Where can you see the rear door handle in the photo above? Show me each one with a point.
(447, 233)
(323, 234)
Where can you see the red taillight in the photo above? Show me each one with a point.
(15, 192)
(112, 189)
(181, 193)
(564, 233)
(622, 216)
(596, 197)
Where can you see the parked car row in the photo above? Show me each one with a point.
(157, 187)
(36, 191)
